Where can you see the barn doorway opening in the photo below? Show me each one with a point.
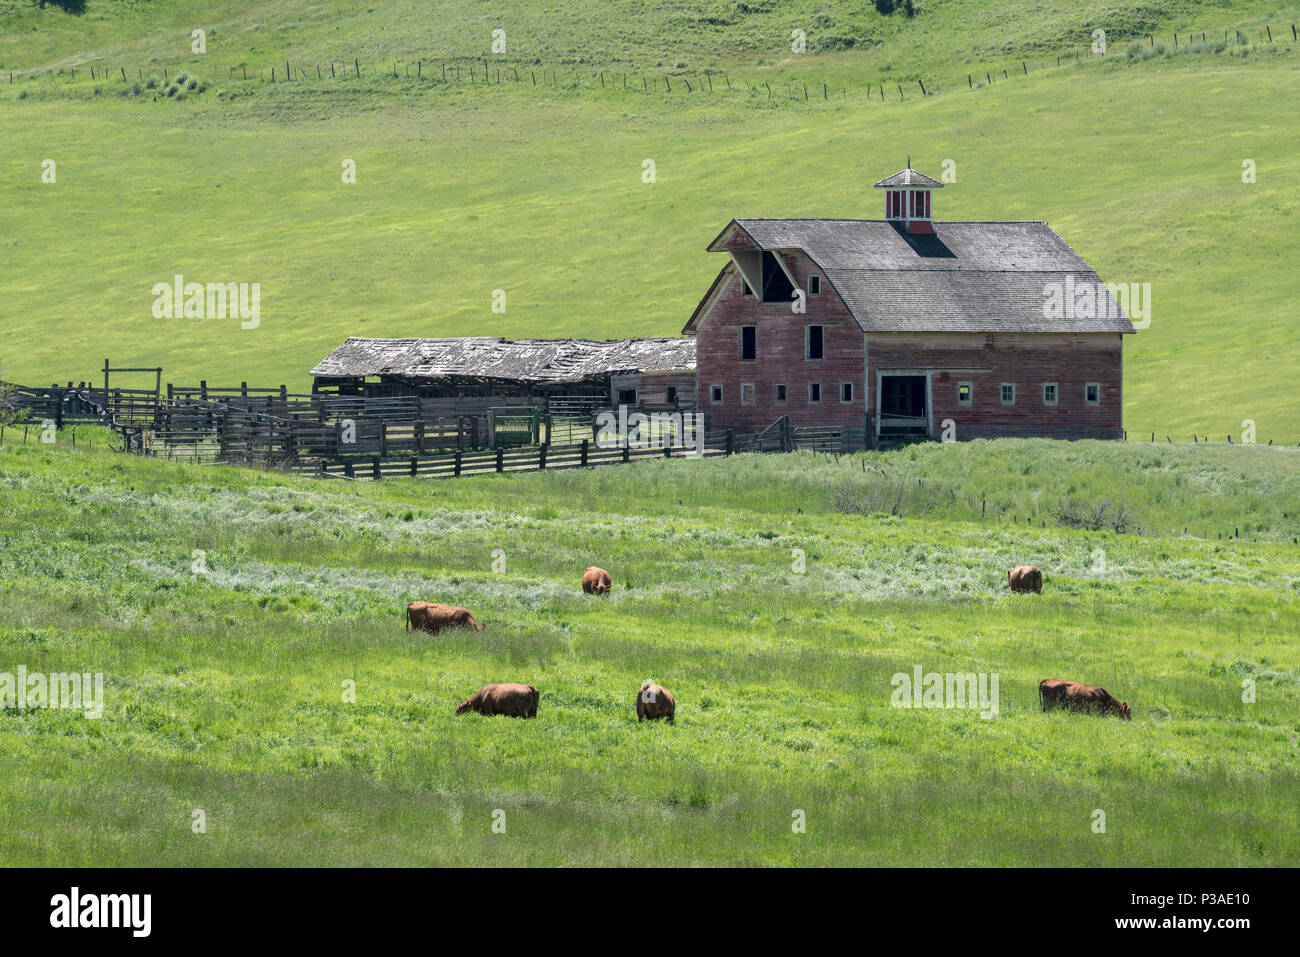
(903, 405)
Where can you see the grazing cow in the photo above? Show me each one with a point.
(595, 581)
(1055, 693)
(511, 700)
(431, 617)
(653, 702)
(1025, 578)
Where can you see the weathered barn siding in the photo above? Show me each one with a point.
(654, 387)
(780, 339)
(1027, 361)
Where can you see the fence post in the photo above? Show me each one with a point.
(456, 468)
(541, 457)
(731, 440)
(374, 467)
(415, 462)
(501, 460)
(584, 447)
(419, 438)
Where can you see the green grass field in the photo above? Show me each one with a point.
(249, 624)
(465, 189)
(225, 687)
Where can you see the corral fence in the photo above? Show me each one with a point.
(538, 458)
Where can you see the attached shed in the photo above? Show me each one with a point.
(522, 371)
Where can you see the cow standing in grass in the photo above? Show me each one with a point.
(511, 700)
(433, 618)
(596, 581)
(1025, 578)
(1055, 693)
(653, 702)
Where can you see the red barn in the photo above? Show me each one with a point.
(909, 327)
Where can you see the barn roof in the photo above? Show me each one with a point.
(967, 277)
(533, 361)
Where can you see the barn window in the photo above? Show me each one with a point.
(814, 285)
(744, 289)
(748, 343)
(671, 395)
(814, 391)
(779, 392)
(813, 341)
(715, 393)
(1008, 393)
(776, 284)
(627, 396)
(1049, 393)
(964, 393)
(746, 393)
(1092, 393)
(846, 391)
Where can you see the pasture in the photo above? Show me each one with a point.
(227, 608)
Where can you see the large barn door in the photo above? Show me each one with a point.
(904, 405)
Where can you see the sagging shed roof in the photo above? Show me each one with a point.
(533, 361)
(967, 277)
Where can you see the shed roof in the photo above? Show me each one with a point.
(533, 361)
(966, 277)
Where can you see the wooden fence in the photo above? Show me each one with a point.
(499, 461)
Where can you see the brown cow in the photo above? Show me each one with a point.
(1055, 693)
(1025, 578)
(595, 581)
(653, 702)
(511, 700)
(431, 617)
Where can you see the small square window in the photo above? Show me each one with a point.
(746, 393)
(627, 396)
(671, 394)
(964, 393)
(814, 391)
(1049, 393)
(715, 393)
(780, 392)
(1008, 393)
(814, 285)
(1092, 393)
(814, 340)
(744, 289)
(846, 391)
(748, 343)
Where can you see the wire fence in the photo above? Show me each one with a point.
(481, 72)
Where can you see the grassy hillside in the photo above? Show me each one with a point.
(464, 189)
(656, 33)
(225, 687)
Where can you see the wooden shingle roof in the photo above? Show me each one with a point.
(533, 361)
(968, 277)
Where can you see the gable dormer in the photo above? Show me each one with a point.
(907, 200)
